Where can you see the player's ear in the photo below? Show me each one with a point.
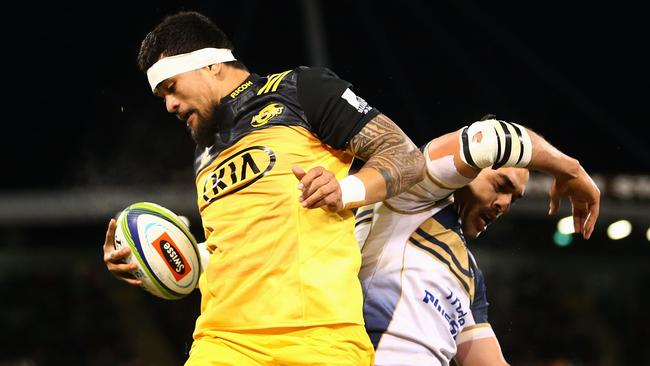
(215, 68)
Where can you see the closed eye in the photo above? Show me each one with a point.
(507, 186)
(166, 87)
(171, 88)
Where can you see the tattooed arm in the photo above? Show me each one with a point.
(393, 164)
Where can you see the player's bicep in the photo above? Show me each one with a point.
(444, 160)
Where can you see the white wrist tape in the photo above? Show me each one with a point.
(173, 65)
(352, 190)
(495, 143)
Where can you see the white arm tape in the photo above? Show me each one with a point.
(352, 190)
(495, 143)
(477, 331)
(444, 171)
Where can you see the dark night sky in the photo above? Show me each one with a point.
(80, 113)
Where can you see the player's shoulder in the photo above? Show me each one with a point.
(303, 72)
(305, 75)
(308, 75)
(277, 80)
(314, 70)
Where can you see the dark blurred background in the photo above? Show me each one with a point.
(83, 138)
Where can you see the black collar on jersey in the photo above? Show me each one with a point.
(224, 113)
(252, 79)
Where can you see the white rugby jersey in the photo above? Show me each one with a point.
(423, 293)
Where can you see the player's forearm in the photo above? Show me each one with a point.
(393, 162)
(480, 352)
(548, 159)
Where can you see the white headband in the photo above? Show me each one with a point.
(178, 64)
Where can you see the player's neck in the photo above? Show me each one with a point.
(234, 77)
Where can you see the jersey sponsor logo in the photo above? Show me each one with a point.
(456, 319)
(241, 88)
(266, 114)
(237, 172)
(174, 259)
(357, 102)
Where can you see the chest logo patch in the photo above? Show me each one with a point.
(237, 172)
(266, 114)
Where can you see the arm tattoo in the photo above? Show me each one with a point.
(385, 148)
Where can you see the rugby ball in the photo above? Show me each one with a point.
(168, 258)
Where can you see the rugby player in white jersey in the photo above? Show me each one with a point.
(424, 296)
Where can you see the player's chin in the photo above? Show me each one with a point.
(202, 138)
(472, 234)
(203, 132)
(472, 230)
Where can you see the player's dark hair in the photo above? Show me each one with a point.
(179, 33)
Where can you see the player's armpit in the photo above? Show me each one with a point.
(393, 162)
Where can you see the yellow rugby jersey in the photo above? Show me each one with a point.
(273, 262)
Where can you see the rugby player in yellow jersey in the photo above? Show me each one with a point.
(273, 191)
